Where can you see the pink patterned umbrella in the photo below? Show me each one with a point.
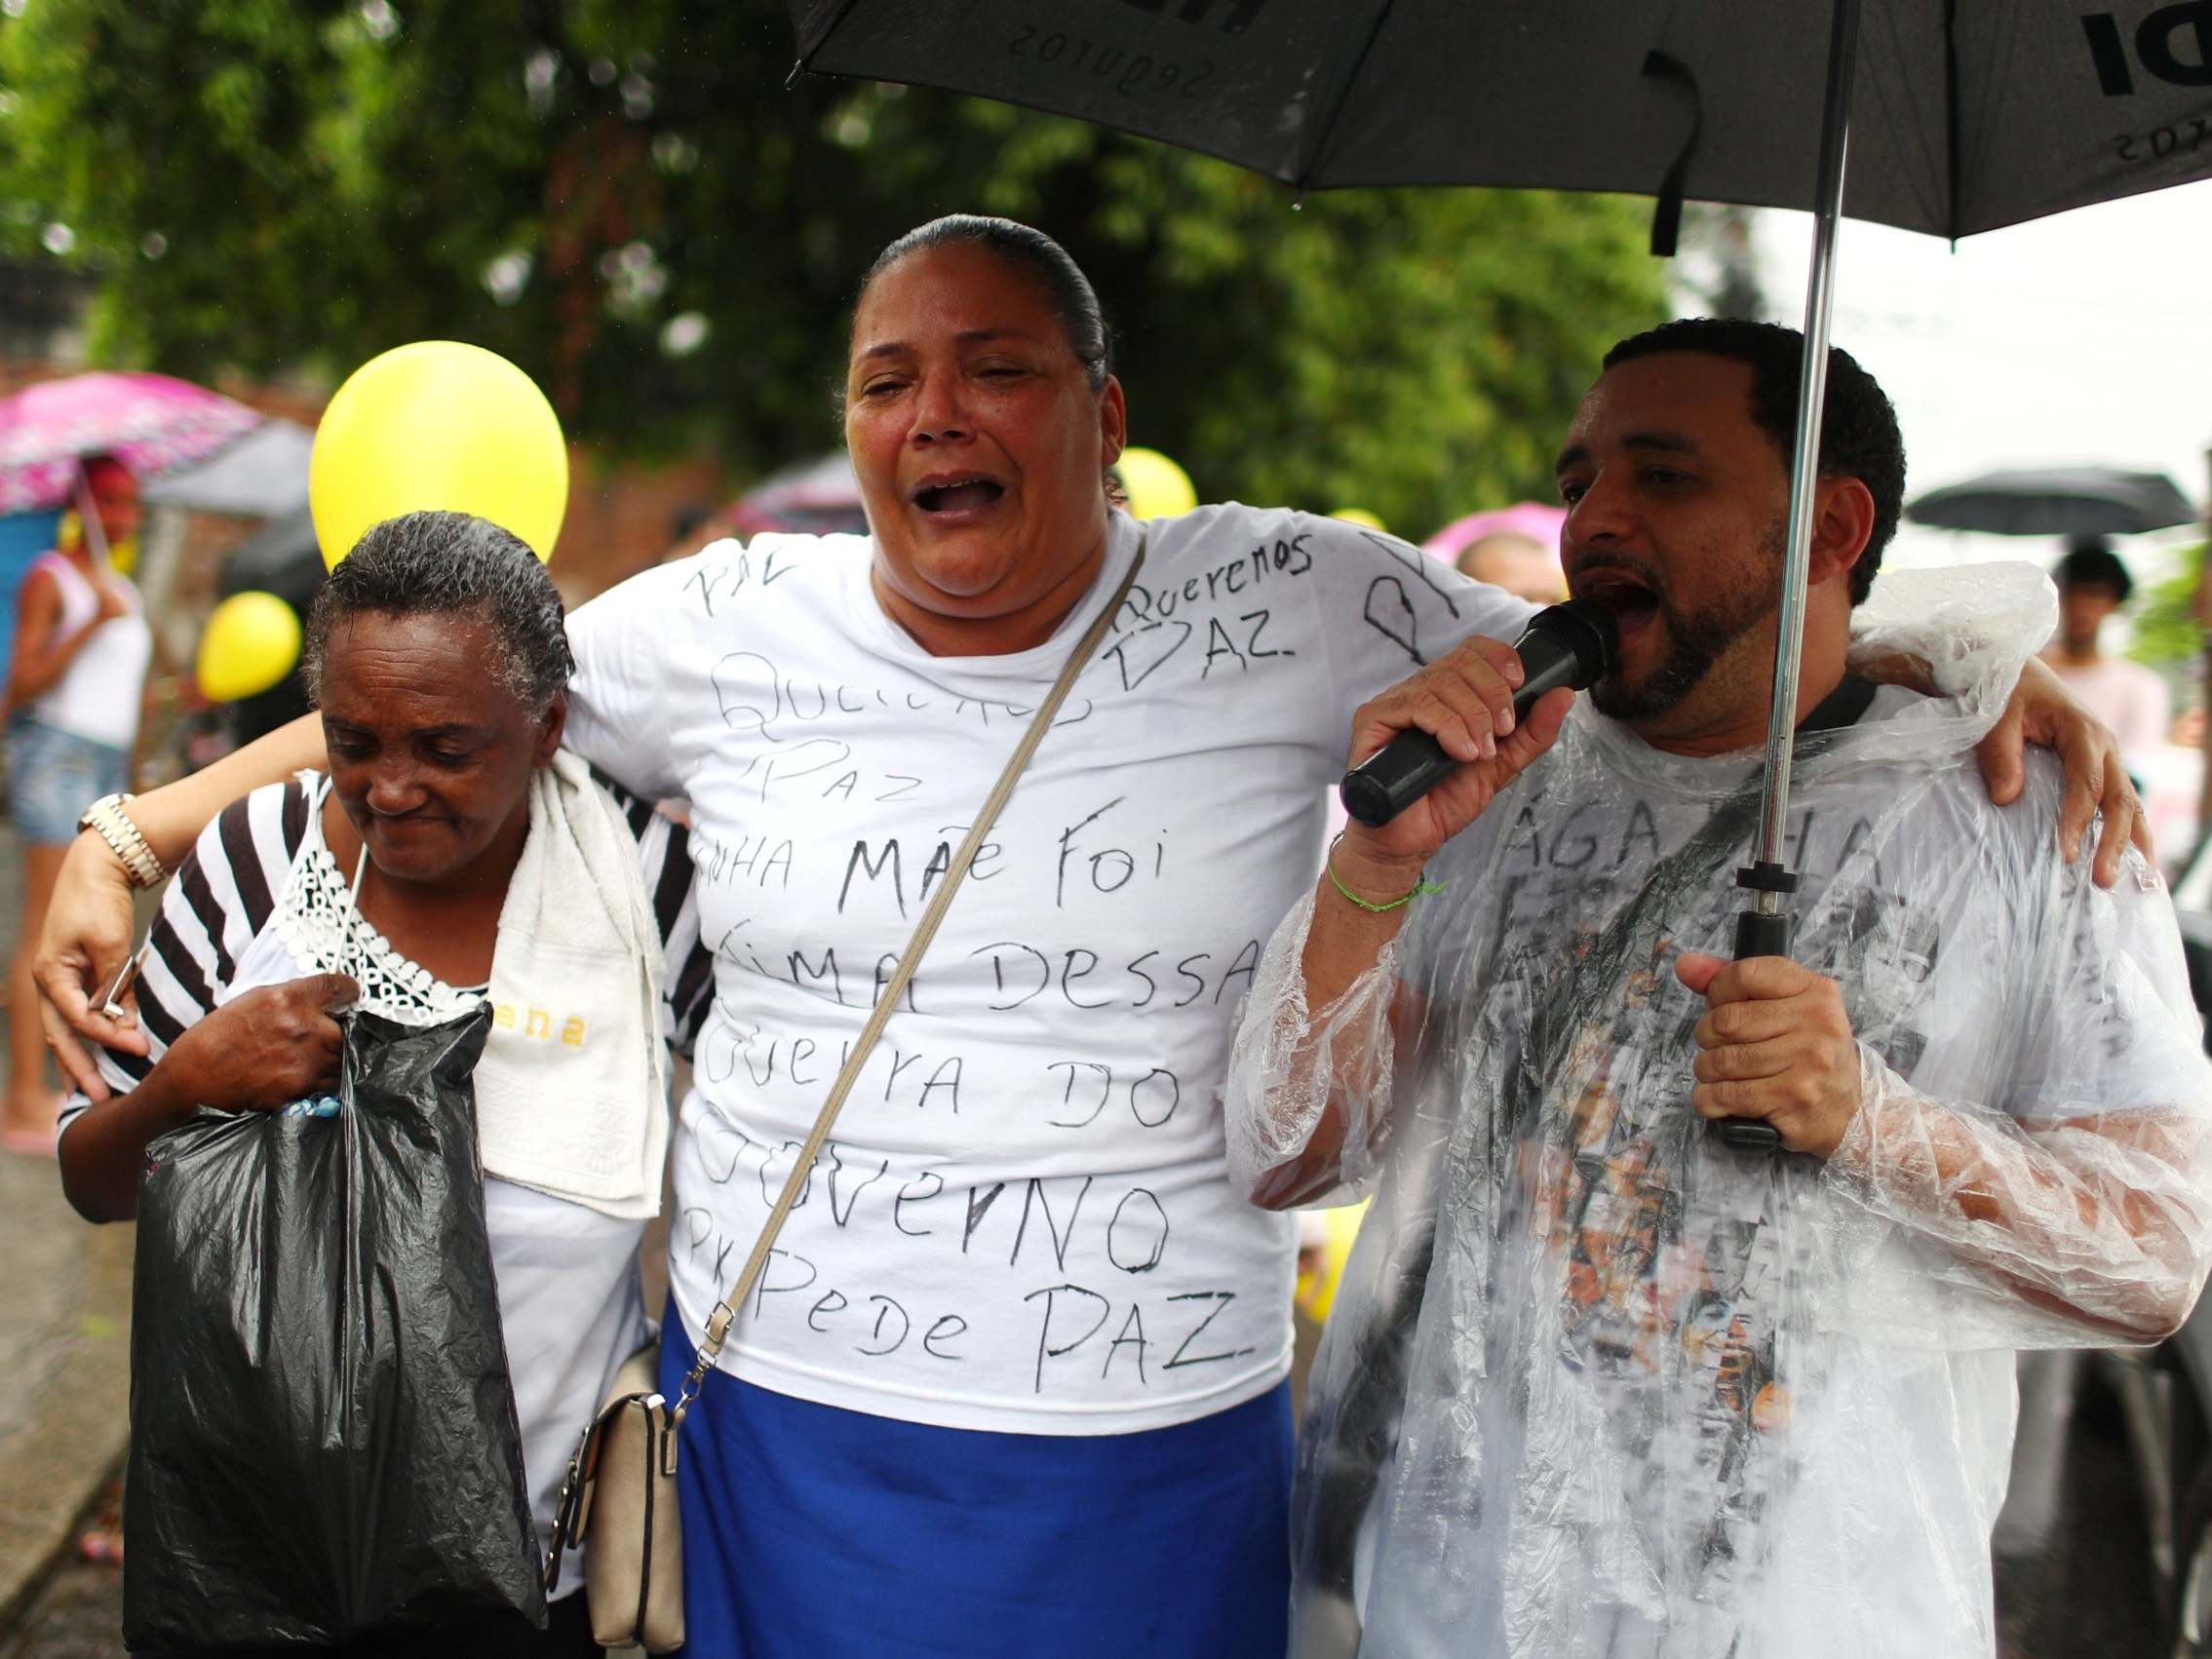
(149, 422)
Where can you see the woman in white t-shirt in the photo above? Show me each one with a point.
(1014, 1380)
(76, 681)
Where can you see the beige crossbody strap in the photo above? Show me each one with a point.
(725, 1311)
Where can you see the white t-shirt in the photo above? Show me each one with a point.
(1022, 1221)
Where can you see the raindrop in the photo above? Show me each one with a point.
(676, 153)
(380, 18)
(602, 71)
(636, 276)
(154, 246)
(685, 333)
(58, 237)
(636, 96)
(505, 278)
(12, 8)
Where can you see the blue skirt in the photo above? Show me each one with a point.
(812, 1533)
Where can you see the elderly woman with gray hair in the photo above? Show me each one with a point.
(436, 864)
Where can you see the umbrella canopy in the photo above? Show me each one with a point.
(260, 476)
(2056, 501)
(149, 422)
(281, 557)
(1968, 114)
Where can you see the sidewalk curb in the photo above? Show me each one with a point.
(71, 1439)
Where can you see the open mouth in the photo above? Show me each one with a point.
(958, 496)
(1623, 591)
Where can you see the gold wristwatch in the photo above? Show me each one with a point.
(107, 820)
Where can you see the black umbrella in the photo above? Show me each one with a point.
(261, 475)
(1969, 114)
(2056, 501)
(281, 558)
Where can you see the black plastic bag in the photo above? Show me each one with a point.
(322, 1434)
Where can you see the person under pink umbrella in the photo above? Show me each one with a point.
(77, 675)
(76, 679)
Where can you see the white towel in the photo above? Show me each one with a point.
(571, 1094)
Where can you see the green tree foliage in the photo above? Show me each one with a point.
(621, 196)
(2166, 629)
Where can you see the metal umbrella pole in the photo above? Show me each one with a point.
(1763, 929)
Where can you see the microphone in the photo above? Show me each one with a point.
(1570, 645)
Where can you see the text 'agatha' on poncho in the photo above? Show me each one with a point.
(1596, 1385)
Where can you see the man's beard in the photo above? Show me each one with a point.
(1695, 642)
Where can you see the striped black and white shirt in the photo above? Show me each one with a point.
(229, 886)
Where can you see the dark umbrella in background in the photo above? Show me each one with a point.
(282, 558)
(1959, 116)
(2056, 501)
(260, 476)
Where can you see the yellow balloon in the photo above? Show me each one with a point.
(437, 426)
(1360, 516)
(1156, 486)
(1317, 1285)
(250, 642)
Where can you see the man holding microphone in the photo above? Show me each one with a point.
(1597, 1383)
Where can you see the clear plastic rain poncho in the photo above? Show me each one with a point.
(1596, 1385)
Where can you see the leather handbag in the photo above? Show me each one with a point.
(620, 1488)
(620, 1492)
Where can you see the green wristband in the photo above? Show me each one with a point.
(1421, 885)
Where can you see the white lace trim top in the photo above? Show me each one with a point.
(320, 924)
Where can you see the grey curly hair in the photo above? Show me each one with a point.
(451, 564)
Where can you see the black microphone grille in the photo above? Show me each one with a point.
(1585, 628)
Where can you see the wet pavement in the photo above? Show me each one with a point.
(65, 1350)
(2080, 1585)
(78, 1616)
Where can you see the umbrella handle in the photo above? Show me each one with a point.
(95, 532)
(1757, 933)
